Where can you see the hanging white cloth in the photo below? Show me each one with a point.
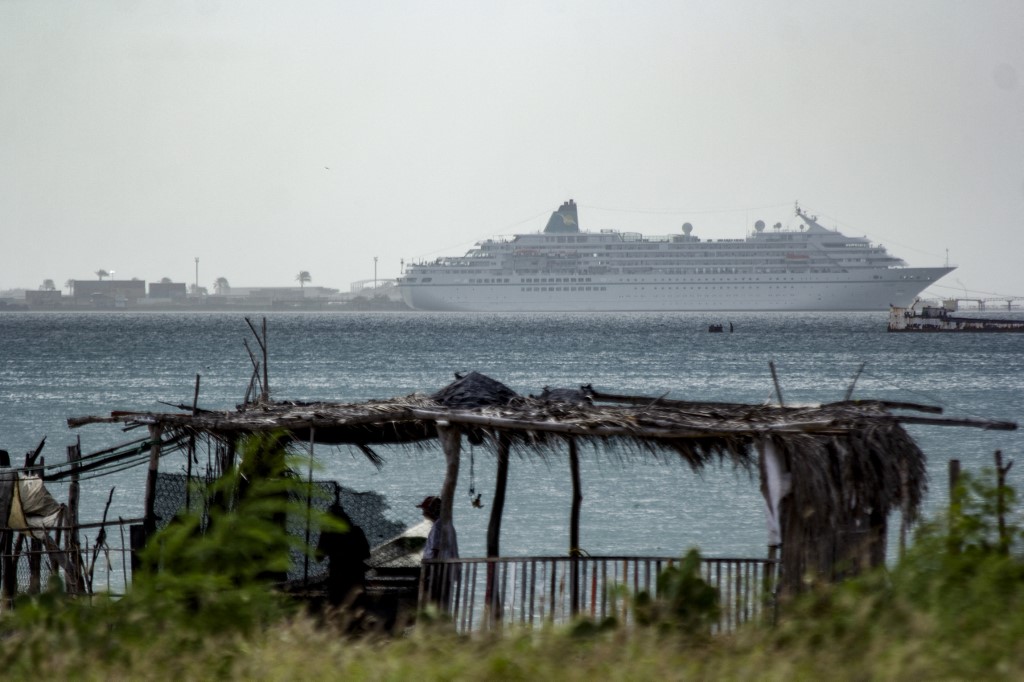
(776, 484)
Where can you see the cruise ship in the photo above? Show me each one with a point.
(565, 269)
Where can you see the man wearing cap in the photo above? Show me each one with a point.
(442, 543)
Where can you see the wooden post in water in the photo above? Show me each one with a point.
(1001, 471)
(574, 529)
(266, 376)
(904, 508)
(261, 339)
(775, 380)
(954, 501)
(494, 528)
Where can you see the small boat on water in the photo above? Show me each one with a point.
(938, 319)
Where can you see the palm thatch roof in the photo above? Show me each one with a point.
(850, 463)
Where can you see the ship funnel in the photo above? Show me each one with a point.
(564, 220)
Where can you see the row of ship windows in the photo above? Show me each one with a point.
(770, 286)
(642, 243)
(637, 269)
(563, 289)
(533, 280)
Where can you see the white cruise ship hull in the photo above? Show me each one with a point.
(873, 290)
(564, 269)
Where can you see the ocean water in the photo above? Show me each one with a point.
(59, 365)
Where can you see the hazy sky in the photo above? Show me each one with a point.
(272, 137)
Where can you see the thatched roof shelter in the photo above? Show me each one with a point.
(831, 474)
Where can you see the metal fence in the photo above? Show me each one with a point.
(481, 594)
(101, 563)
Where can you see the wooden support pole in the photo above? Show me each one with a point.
(309, 506)
(451, 441)
(574, 528)
(191, 452)
(73, 547)
(149, 518)
(498, 505)
(494, 529)
(577, 499)
(8, 576)
(266, 376)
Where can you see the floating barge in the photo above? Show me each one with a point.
(938, 319)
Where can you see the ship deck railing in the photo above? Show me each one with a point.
(491, 593)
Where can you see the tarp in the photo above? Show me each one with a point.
(32, 506)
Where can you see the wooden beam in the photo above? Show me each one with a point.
(986, 424)
(825, 426)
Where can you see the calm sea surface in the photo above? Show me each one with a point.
(58, 365)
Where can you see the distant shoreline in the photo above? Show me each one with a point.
(324, 307)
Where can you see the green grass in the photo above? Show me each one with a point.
(952, 608)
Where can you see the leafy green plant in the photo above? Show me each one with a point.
(958, 591)
(685, 602)
(193, 583)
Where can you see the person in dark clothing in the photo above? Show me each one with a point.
(347, 553)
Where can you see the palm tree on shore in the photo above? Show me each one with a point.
(102, 273)
(70, 286)
(221, 286)
(48, 285)
(302, 278)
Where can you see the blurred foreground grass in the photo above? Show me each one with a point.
(952, 608)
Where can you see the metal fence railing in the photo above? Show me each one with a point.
(481, 594)
(100, 564)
